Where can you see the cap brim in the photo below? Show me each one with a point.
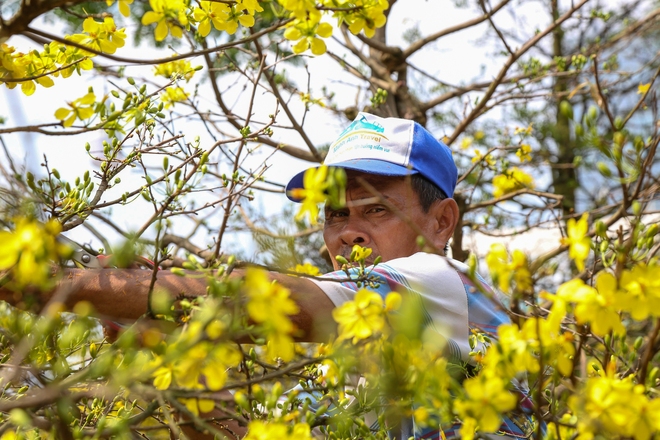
(369, 166)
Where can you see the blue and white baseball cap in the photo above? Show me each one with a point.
(389, 147)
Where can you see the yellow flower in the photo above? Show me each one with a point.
(600, 309)
(269, 305)
(173, 95)
(103, 37)
(170, 16)
(360, 318)
(305, 31)
(163, 377)
(258, 430)
(466, 142)
(29, 251)
(369, 17)
(503, 271)
(642, 291)
(523, 153)
(359, 253)
(314, 192)
(614, 407)
(512, 180)
(643, 88)
(577, 240)
(487, 398)
(478, 157)
(215, 13)
(81, 108)
(300, 8)
(176, 69)
(307, 268)
(123, 6)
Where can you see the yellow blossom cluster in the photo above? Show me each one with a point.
(616, 407)
(486, 398)
(172, 95)
(365, 316)
(58, 59)
(28, 251)
(176, 69)
(203, 365)
(504, 270)
(307, 268)
(224, 16)
(488, 159)
(258, 430)
(523, 153)
(511, 180)
(39, 67)
(100, 36)
(269, 306)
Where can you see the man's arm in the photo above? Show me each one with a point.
(122, 294)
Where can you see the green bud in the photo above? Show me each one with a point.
(652, 231)
(566, 109)
(114, 115)
(341, 260)
(56, 174)
(166, 163)
(377, 260)
(143, 89)
(601, 229)
(115, 93)
(619, 138)
(653, 374)
(131, 81)
(579, 130)
(636, 208)
(604, 169)
(638, 342)
(231, 260)
(117, 180)
(20, 418)
(618, 123)
(592, 113)
(178, 271)
(204, 158)
(87, 147)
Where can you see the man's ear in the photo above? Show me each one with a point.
(445, 213)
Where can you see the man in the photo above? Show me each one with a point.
(399, 188)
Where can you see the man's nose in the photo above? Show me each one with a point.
(355, 233)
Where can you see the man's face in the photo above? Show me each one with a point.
(371, 223)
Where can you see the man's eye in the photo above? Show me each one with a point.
(376, 209)
(334, 214)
